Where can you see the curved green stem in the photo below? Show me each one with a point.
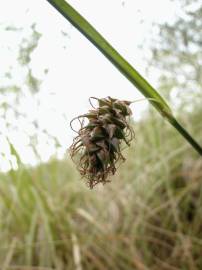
(124, 67)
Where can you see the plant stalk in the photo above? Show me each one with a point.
(122, 65)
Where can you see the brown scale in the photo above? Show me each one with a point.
(97, 148)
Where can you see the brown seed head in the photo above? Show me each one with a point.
(97, 148)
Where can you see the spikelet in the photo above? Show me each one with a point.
(96, 150)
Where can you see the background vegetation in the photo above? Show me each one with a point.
(149, 216)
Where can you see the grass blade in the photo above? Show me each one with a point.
(124, 67)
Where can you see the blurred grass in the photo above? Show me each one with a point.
(148, 217)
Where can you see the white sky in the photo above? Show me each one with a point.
(77, 70)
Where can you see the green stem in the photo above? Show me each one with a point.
(123, 66)
(186, 135)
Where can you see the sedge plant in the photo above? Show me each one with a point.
(123, 66)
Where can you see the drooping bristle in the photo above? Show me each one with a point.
(97, 148)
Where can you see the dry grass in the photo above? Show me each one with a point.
(148, 218)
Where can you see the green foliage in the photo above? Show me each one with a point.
(28, 46)
(148, 217)
(32, 82)
(10, 92)
(14, 94)
(177, 55)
